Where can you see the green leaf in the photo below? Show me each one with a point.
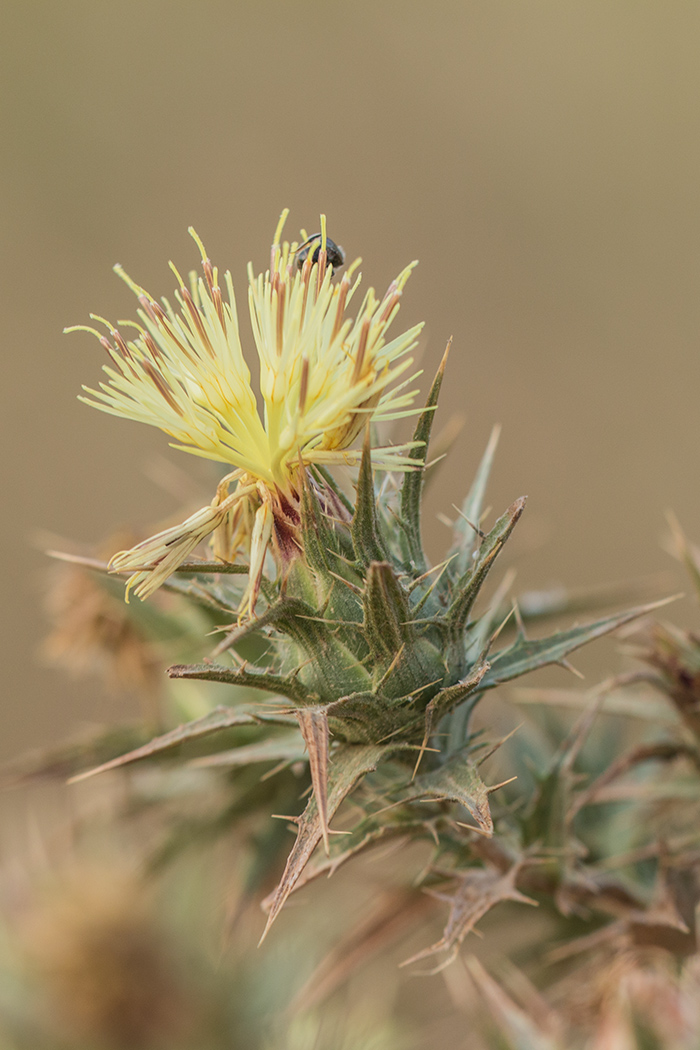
(456, 781)
(362, 718)
(446, 700)
(287, 686)
(366, 538)
(218, 719)
(471, 582)
(329, 669)
(316, 535)
(386, 613)
(465, 537)
(550, 813)
(451, 696)
(324, 577)
(412, 488)
(525, 655)
(403, 663)
(283, 747)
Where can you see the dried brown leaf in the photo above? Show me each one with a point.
(477, 890)
(313, 722)
(350, 762)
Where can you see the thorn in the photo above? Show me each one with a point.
(77, 559)
(226, 642)
(339, 556)
(424, 746)
(519, 619)
(495, 787)
(423, 749)
(420, 689)
(570, 667)
(474, 827)
(275, 770)
(282, 816)
(499, 744)
(390, 668)
(236, 657)
(498, 630)
(434, 462)
(351, 586)
(443, 362)
(441, 568)
(444, 520)
(265, 932)
(477, 530)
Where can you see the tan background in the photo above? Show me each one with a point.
(541, 159)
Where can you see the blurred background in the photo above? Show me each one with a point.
(541, 160)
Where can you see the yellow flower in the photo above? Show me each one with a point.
(322, 377)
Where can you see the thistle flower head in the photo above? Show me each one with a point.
(323, 376)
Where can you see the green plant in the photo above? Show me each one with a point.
(367, 663)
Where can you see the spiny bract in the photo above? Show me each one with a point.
(380, 661)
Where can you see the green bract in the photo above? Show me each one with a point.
(370, 667)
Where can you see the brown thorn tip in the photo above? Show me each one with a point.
(495, 787)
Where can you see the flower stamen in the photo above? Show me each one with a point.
(361, 350)
(323, 375)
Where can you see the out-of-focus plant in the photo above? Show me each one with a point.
(92, 959)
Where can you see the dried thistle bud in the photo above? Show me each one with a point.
(108, 972)
(92, 632)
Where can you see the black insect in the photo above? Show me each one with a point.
(334, 253)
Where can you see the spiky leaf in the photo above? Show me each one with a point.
(475, 893)
(469, 585)
(283, 748)
(525, 655)
(458, 781)
(348, 765)
(286, 686)
(466, 536)
(412, 487)
(219, 719)
(366, 537)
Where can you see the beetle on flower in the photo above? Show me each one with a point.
(323, 377)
